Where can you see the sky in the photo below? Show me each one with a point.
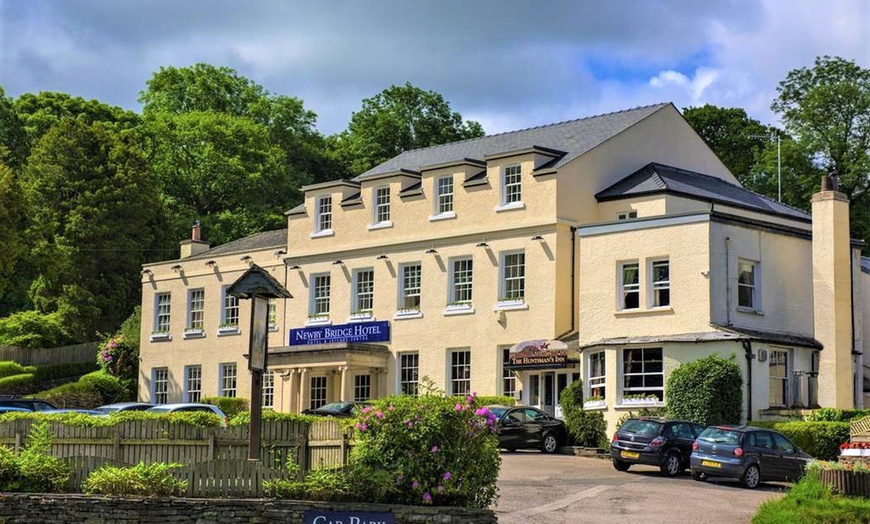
(509, 64)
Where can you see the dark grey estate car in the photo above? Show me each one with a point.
(654, 441)
(525, 427)
(747, 453)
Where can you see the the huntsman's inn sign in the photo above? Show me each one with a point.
(356, 332)
(533, 354)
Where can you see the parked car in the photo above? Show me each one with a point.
(71, 410)
(750, 454)
(338, 409)
(656, 442)
(188, 407)
(28, 404)
(10, 409)
(124, 406)
(524, 427)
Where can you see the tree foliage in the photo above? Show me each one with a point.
(12, 136)
(587, 428)
(13, 220)
(397, 119)
(707, 391)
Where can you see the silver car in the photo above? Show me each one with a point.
(188, 407)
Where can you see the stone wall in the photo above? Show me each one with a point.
(41, 508)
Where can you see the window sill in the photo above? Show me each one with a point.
(228, 331)
(594, 405)
(648, 311)
(442, 216)
(193, 333)
(380, 225)
(750, 311)
(459, 309)
(510, 207)
(319, 321)
(510, 305)
(160, 337)
(323, 233)
(360, 317)
(408, 314)
(639, 405)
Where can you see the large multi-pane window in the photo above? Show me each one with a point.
(661, 283)
(230, 313)
(747, 295)
(382, 204)
(512, 184)
(363, 291)
(196, 309)
(269, 389)
(410, 286)
(508, 379)
(160, 385)
(162, 316)
(643, 372)
(629, 284)
(192, 383)
(324, 213)
(513, 281)
(318, 392)
(778, 374)
(596, 375)
(228, 380)
(444, 186)
(460, 372)
(408, 373)
(362, 388)
(460, 281)
(320, 295)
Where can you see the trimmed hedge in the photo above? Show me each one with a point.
(820, 439)
(92, 390)
(586, 428)
(707, 391)
(198, 419)
(10, 368)
(16, 381)
(57, 371)
(837, 415)
(231, 406)
(491, 400)
(243, 418)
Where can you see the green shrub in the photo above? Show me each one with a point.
(811, 501)
(15, 381)
(586, 428)
(58, 371)
(9, 471)
(9, 368)
(493, 400)
(202, 420)
(437, 450)
(707, 391)
(39, 471)
(231, 406)
(243, 418)
(837, 415)
(820, 439)
(153, 480)
(92, 390)
(33, 330)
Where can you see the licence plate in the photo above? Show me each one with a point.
(711, 464)
(629, 455)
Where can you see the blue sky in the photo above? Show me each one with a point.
(509, 64)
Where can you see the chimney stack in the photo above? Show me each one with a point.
(195, 245)
(832, 294)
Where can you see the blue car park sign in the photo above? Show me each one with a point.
(356, 332)
(316, 516)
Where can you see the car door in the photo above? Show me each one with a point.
(535, 422)
(763, 447)
(511, 431)
(684, 437)
(791, 465)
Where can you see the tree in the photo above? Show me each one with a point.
(95, 216)
(12, 238)
(397, 119)
(12, 135)
(731, 134)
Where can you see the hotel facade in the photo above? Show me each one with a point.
(621, 240)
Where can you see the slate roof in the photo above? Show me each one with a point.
(575, 137)
(775, 337)
(657, 178)
(721, 333)
(255, 242)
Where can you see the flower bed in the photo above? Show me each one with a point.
(848, 478)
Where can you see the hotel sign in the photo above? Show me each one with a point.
(534, 354)
(356, 332)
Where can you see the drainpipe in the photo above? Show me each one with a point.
(747, 348)
(858, 356)
(727, 281)
(573, 282)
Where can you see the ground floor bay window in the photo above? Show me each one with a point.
(643, 373)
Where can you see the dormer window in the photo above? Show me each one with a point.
(324, 213)
(512, 185)
(382, 205)
(445, 195)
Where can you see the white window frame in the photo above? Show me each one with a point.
(785, 380)
(362, 387)
(658, 285)
(269, 390)
(626, 215)
(160, 385)
(195, 313)
(512, 186)
(192, 383)
(323, 221)
(404, 310)
(319, 301)
(657, 391)
(229, 379)
(229, 314)
(596, 381)
(408, 374)
(754, 286)
(459, 367)
(508, 378)
(362, 298)
(444, 191)
(624, 289)
(381, 206)
(162, 313)
(460, 289)
(511, 299)
(317, 386)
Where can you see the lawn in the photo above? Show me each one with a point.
(811, 502)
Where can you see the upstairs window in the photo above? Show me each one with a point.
(273, 313)
(747, 283)
(197, 309)
(228, 374)
(661, 283)
(410, 287)
(162, 313)
(629, 286)
(628, 215)
(230, 313)
(363, 291)
(513, 281)
(512, 189)
(461, 281)
(382, 205)
(320, 296)
(324, 213)
(444, 189)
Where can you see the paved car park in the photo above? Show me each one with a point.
(555, 489)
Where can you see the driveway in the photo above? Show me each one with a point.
(537, 488)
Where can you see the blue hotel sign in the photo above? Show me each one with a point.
(356, 332)
(316, 516)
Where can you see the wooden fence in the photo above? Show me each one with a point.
(859, 430)
(75, 354)
(214, 460)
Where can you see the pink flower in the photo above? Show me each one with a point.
(440, 488)
(483, 412)
(415, 484)
(434, 449)
(457, 407)
(427, 497)
(366, 409)
(447, 475)
(380, 414)
(391, 408)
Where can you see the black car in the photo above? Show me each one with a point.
(338, 409)
(655, 442)
(747, 453)
(27, 403)
(527, 427)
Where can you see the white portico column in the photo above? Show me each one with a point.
(292, 389)
(346, 385)
(304, 390)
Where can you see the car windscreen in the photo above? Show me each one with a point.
(335, 407)
(159, 409)
(641, 427)
(497, 411)
(721, 436)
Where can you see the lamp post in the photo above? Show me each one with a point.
(258, 286)
(774, 137)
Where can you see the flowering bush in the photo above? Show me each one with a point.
(855, 445)
(439, 450)
(815, 466)
(117, 357)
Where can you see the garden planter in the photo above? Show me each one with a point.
(847, 482)
(593, 404)
(853, 452)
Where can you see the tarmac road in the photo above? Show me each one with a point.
(553, 489)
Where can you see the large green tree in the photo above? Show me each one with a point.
(731, 134)
(12, 135)
(95, 215)
(12, 238)
(397, 119)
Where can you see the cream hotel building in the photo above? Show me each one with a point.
(620, 238)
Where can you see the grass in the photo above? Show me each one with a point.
(811, 502)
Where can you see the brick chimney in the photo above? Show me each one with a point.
(832, 294)
(194, 245)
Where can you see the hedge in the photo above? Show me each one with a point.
(837, 415)
(586, 428)
(231, 406)
(198, 419)
(243, 418)
(9, 368)
(820, 439)
(707, 391)
(91, 390)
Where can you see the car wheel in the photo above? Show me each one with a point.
(700, 476)
(620, 465)
(672, 464)
(751, 477)
(550, 443)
